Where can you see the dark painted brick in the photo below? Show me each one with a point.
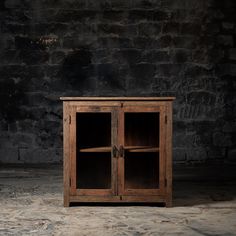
(190, 29)
(149, 15)
(205, 55)
(228, 26)
(196, 154)
(3, 125)
(201, 98)
(169, 69)
(145, 4)
(160, 15)
(171, 27)
(183, 48)
(53, 28)
(142, 75)
(15, 28)
(73, 15)
(156, 56)
(110, 77)
(117, 29)
(232, 53)
(152, 42)
(185, 4)
(38, 155)
(179, 154)
(114, 15)
(232, 155)
(196, 70)
(18, 15)
(75, 43)
(10, 57)
(164, 41)
(221, 139)
(226, 40)
(161, 84)
(57, 57)
(181, 55)
(9, 155)
(149, 29)
(34, 57)
(110, 28)
(130, 56)
(187, 15)
(28, 43)
(67, 4)
(143, 42)
(211, 28)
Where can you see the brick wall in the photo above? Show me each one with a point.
(182, 48)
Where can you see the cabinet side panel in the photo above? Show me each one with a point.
(66, 150)
(169, 155)
(72, 157)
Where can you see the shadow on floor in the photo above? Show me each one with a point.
(203, 184)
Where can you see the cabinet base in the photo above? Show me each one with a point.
(118, 199)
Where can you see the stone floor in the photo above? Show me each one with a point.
(204, 204)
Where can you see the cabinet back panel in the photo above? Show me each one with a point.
(93, 130)
(141, 171)
(93, 171)
(142, 129)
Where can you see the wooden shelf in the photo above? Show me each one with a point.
(127, 149)
(141, 149)
(96, 149)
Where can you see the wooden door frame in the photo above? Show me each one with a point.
(73, 109)
(142, 108)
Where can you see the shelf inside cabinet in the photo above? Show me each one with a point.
(127, 149)
(141, 149)
(96, 149)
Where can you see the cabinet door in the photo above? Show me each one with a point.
(93, 133)
(141, 164)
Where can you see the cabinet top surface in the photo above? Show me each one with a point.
(117, 98)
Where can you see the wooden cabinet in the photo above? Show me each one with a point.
(117, 149)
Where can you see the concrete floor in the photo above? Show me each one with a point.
(204, 204)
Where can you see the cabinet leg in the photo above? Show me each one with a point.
(66, 202)
(169, 203)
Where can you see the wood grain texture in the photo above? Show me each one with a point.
(117, 98)
(136, 150)
(121, 141)
(96, 149)
(141, 149)
(119, 199)
(66, 153)
(114, 143)
(168, 143)
(73, 151)
(162, 143)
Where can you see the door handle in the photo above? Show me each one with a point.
(122, 151)
(115, 151)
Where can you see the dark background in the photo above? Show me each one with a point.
(182, 48)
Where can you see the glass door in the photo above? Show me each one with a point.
(141, 161)
(92, 159)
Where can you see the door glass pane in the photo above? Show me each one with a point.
(141, 150)
(93, 150)
(93, 171)
(93, 130)
(142, 129)
(141, 170)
